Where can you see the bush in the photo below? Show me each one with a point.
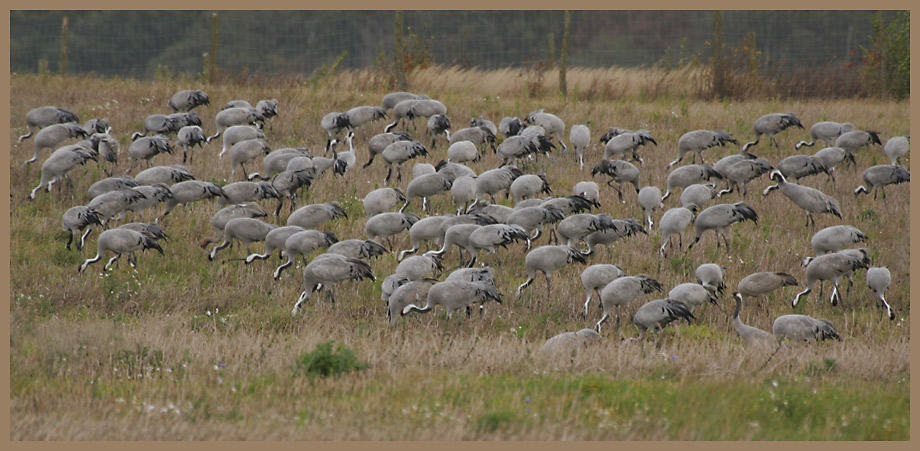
(886, 65)
(324, 361)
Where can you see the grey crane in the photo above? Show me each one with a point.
(390, 100)
(649, 198)
(191, 191)
(158, 124)
(238, 133)
(390, 284)
(454, 295)
(856, 139)
(528, 185)
(481, 274)
(360, 115)
(314, 215)
(288, 184)
(439, 124)
(77, 219)
(479, 136)
(569, 341)
(833, 238)
(384, 225)
(459, 235)
(398, 153)
(620, 292)
(499, 212)
(685, 176)
(146, 148)
(120, 241)
(547, 259)
(420, 169)
(244, 230)
(378, 143)
(580, 137)
(655, 315)
(107, 147)
(97, 125)
(515, 148)
(803, 328)
(163, 174)
(303, 243)
(424, 230)
(418, 267)
(770, 125)
(354, 248)
(750, 335)
(189, 137)
(699, 140)
(731, 159)
(741, 172)
(760, 284)
(453, 171)
(426, 186)
(488, 237)
(415, 291)
(219, 220)
(878, 279)
(277, 161)
(881, 176)
(53, 135)
(381, 200)
(510, 126)
(692, 295)
(718, 217)
(59, 164)
(807, 198)
(826, 131)
(246, 152)
(698, 195)
(317, 165)
(795, 167)
(897, 147)
(485, 123)
(239, 103)
(328, 269)
(44, 116)
(188, 100)
(274, 239)
(333, 124)
(463, 192)
(554, 126)
(577, 227)
(709, 275)
(628, 142)
(532, 219)
(831, 267)
(462, 151)
(269, 110)
(234, 117)
(239, 192)
(619, 171)
(412, 108)
(153, 195)
(673, 222)
(110, 184)
(150, 229)
(621, 228)
(596, 277)
(588, 190)
(495, 180)
(830, 157)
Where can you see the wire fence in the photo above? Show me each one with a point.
(139, 43)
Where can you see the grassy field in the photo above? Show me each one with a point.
(185, 349)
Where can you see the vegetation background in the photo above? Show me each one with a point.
(184, 349)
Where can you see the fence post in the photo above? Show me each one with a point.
(212, 62)
(718, 71)
(563, 64)
(62, 63)
(399, 52)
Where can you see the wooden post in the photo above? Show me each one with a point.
(564, 62)
(62, 63)
(718, 71)
(399, 50)
(212, 62)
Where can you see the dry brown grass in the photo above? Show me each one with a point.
(433, 379)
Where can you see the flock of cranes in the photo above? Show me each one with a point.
(479, 223)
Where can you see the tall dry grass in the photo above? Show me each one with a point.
(184, 349)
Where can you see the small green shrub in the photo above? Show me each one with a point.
(324, 361)
(493, 421)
